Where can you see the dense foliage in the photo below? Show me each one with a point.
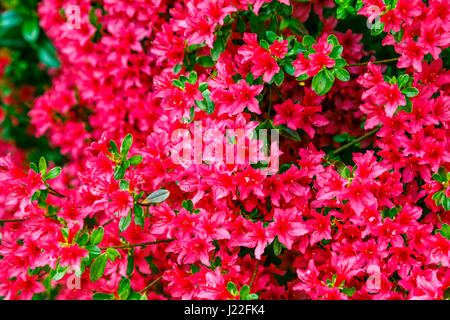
(99, 97)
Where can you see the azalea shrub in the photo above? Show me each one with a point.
(115, 184)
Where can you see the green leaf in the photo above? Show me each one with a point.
(98, 267)
(271, 36)
(126, 145)
(192, 77)
(30, 30)
(245, 291)
(377, 28)
(114, 148)
(135, 160)
(339, 63)
(218, 48)
(53, 173)
(279, 78)
(403, 80)
(124, 288)
(323, 82)
(264, 44)
(231, 287)
(177, 68)
(47, 55)
(119, 172)
(97, 236)
(341, 13)
(445, 230)
(277, 248)
(130, 264)
(102, 296)
(349, 291)
(43, 166)
(446, 203)
(342, 74)
(252, 296)
(289, 68)
(139, 215)
(124, 185)
(112, 254)
(125, 222)
(157, 196)
(289, 133)
(336, 52)
(203, 86)
(10, 19)
(308, 40)
(205, 61)
(332, 39)
(410, 92)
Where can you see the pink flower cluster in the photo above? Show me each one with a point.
(374, 225)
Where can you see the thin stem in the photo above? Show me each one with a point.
(348, 145)
(270, 104)
(13, 220)
(254, 274)
(151, 284)
(374, 62)
(56, 193)
(279, 93)
(138, 244)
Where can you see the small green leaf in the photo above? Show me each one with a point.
(135, 160)
(308, 40)
(130, 264)
(205, 61)
(349, 291)
(231, 287)
(97, 236)
(43, 166)
(30, 30)
(112, 254)
(98, 267)
(157, 196)
(336, 52)
(410, 92)
(203, 86)
(177, 68)
(323, 82)
(53, 173)
(102, 296)
(245, 291)
(279, 78)
(332, 39)
(47, 55)
(339, 63)
(403, 80)
(125, 222)
(10, 19)
(126, 145)
(342, 74)
(264, 44)
(124, 288)
(124, 185)
(445, 230)
(271, 36)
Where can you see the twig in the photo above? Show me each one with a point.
(278, 93)
(13, 220)
(151, 285)
(138, 244)
(254, 274)
(348, 145)
(374, 62)
(56, 193)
